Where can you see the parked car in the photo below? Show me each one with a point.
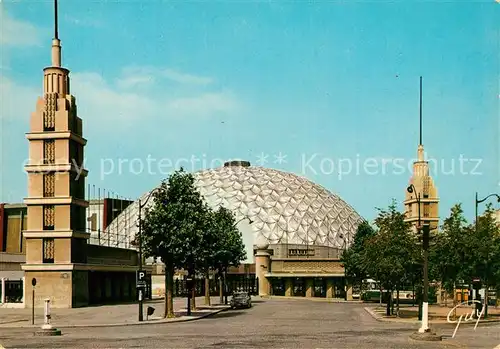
(241, 300)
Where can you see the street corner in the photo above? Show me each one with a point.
(379, 314)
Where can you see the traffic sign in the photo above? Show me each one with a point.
(141, 279)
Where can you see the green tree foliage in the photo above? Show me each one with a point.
(352, 257)
(390, 255)
(229, 250)
(448, 252)
(222, 244)
(483, 254)
(173, 228)
(465, 252)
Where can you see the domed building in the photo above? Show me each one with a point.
(293, 229)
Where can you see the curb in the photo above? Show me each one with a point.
(408, 321)
(136, 323)
(383, 319)
(311, 299)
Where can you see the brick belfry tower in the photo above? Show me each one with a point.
(425, 190)
(56, 238)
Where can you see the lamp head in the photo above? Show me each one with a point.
(410, 189)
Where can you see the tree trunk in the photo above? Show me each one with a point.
(221, 291)
(207, 288)
(193, 294)
(392, 303)
(388, 309)
(455, 299)
(169, 288)
(413, 295)
(397, 302)
(486, 287)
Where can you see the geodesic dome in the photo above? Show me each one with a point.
(283, 207)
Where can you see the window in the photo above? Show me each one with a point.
(48, 217)
(426, 210)
(49, 114)
(49, 152)
(49, 184)
(48, 250)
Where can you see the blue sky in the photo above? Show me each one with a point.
(323, 84)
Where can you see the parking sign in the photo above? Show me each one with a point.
(141, 279)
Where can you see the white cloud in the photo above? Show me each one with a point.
(144, 76)
(104, 102)
(204, 104)
(186, 78)
(17, 101)
(15, 32)
(83, 21)
(117, 101)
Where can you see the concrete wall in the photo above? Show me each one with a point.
(10, 265)
(306, 265)
(55, 285)
(111, 256)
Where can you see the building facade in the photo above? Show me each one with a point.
(47, 237)
(294, 230)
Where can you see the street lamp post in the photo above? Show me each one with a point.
(477, 202)
(140, 289)
(425, 247)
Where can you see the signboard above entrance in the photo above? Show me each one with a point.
(300, 252)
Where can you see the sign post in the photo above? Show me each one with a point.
(33, 283)
(141, 285)
(47, 329)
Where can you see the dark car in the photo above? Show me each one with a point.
(241, 300)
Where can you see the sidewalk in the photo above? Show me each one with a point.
(109, 315)
(313, 299)
(437, 314)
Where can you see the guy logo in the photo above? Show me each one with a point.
(468, 316)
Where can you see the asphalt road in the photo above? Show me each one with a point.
(269, 324)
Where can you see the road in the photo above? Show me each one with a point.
(269, 324)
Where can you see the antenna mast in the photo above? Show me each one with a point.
(56, 33)
(420, 143)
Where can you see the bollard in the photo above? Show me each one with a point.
(47, 329)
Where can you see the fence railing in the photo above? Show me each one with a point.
(233, 285)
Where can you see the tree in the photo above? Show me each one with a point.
(210, 244)
(173, 228)
(447, 256)
(391, 253)
(352, 257)
(483, 257)
(229, 250)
